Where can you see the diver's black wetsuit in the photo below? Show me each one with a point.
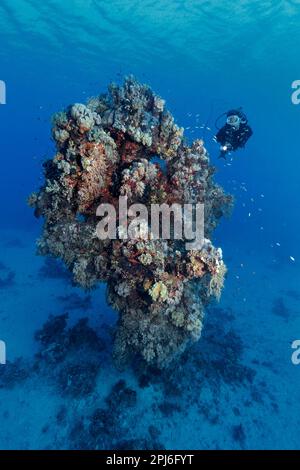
(235, 137)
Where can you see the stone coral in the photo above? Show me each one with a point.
(109, 148)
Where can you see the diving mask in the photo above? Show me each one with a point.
(234, 120)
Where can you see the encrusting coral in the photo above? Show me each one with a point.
(124, 143)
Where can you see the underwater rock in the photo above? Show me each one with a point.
(167, 408)
(107, 149)
(113, 425)
(70, 356)
(121, 396)
(57, 340)
(78, 379)
(7, 277)
(53, 339)
(154, 432)
(238, 434)
(14, 373)
(220, 357)
(101, 422)
(217, 361)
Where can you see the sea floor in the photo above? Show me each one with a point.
(235, 389)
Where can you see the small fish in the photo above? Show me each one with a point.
(292, 259)
(278, 244)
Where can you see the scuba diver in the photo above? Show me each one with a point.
(235, 132)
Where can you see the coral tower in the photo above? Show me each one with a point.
(110, 148)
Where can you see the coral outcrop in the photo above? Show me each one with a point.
(125, 143)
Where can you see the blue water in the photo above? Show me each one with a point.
(203, 57)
